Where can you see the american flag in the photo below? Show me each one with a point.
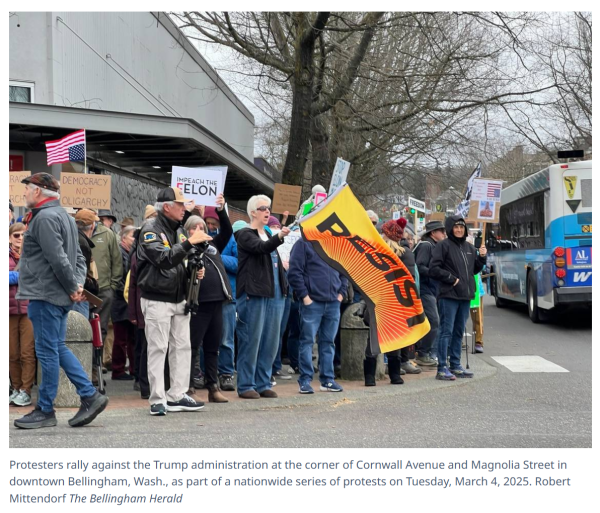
(70, 148)
(493, 190)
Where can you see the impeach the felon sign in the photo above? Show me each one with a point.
(78, 190)
(201, 184)
(16, 189)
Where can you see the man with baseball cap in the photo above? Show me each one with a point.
(162, 279)
(85, 220)
(52, 274)
(427, 347)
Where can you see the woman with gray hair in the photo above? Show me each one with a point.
(261, 291)
(206, 325)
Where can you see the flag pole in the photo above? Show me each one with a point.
(85, 168)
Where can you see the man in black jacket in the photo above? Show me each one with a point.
(454, 264)
(85, 220)
(162, 279)
(426, 347)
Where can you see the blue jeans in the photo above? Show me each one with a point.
(227, 347)
(277, 365)
(320, 318)
(453, 319)
(293, 337)
(259, 321)
(50, 330)
(426, 344)
(83, 308)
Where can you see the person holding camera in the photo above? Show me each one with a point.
(206, 323)
(162, 278)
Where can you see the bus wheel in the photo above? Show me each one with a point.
(536, 314)
(500, 303)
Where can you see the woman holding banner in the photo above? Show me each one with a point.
(261, 291)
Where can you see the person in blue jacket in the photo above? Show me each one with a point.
(320, 289)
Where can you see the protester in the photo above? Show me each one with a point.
(261, 291)
(127, 221)
(206, 326)
(373, 217)
(212, 220)
(477, 316)
(149, 212)
(434, 233)
(124, 343)
(50, 245)
(321, 290)
(109, 263)
(226, 366)
(11, 212)
(20, 334)
(162, 278)
(85, 220)
(107, 218)
(454, 263)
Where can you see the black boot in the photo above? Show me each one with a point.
(370, 365)
(394, 369)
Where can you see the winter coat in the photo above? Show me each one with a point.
(162, 250)
(86, 245)
(255, 266)
(309, 275)
(15, 306)
(230, 261)
(107, 257)
(52, 266)
(423, 253)
(134, 306)
(455, 258)
(119, 311)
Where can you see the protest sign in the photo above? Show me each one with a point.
(201, 184)
(286, 198)
(288, 243)
(395, 216)
(437, 216)
(16, 189)
(484, 211)
(340, 173)
(78, 190)
(486, 190)
(320, 196)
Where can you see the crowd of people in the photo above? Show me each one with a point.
(247, 305)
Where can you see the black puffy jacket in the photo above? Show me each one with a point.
(455, 258)
(162, 250)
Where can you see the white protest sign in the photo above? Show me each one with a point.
(340, 173)
(201, 184)
(288, 243)
(486, 190)
(395, 215)
(416, 204)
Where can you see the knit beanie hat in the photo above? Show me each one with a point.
(273, 221)
(238, 225)
(210, 212)
(394, 229)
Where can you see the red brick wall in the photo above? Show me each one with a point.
(235, 214)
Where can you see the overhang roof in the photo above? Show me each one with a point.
(144, 140)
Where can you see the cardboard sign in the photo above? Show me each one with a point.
(201, 184)
(483, 211)
(486, 190)
(340, 174)
(16, 189)
(438, 216)
(286, 198)
(78, 190)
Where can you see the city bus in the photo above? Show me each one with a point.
(541, 251)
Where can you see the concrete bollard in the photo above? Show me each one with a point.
(354, 334)
(79, 341)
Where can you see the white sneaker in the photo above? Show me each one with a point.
(23, 399)
(13, 396)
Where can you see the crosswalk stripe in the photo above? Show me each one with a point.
(529, 363)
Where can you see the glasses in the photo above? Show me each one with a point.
(17, 235)
(264, 208)
(374, 223)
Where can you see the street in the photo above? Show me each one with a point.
(498, 408)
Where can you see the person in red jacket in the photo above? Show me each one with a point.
(21, 341)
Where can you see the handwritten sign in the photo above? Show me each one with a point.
(201, 184)
(340, 174)
(16, 188)
(286, 198)
(78, 190)
(288, 243)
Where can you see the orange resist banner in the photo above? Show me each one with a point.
(344, 236)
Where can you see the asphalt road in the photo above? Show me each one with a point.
(500, 408)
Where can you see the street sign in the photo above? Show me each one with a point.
(416, 204)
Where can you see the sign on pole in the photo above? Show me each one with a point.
(486, 190)
(79, 190)
(201, 184)
(16, 189)
(286, 198)
(340, 173)
(416, 204)
(396, 215)
(484, 205)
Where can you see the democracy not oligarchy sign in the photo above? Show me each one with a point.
(78, 190)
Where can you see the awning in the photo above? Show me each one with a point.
(140, 144)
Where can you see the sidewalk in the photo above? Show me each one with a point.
(123, 397)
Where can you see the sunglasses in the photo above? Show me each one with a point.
(17, 235)
(264, 208)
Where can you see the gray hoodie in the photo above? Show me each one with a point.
(52, 265)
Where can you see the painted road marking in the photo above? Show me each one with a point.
(530, 363)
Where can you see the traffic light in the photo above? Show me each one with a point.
(412, 211)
